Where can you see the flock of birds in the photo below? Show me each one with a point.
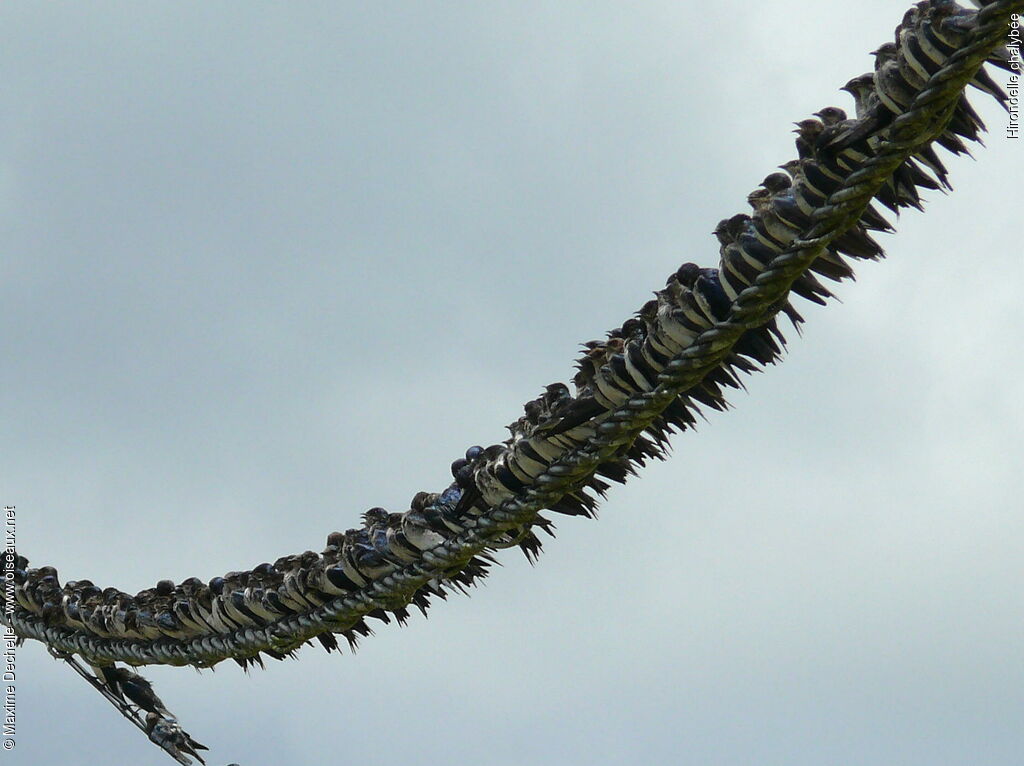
(247, 614)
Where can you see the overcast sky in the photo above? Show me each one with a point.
(265, 266)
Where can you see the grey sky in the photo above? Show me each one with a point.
(266, 266)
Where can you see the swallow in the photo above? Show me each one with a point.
(167, 733)
(783, 209)
(892, 89)
(738, 235)
(807, 134)
(707, 289)
(834, 124)
(896, 93)
(869, 108)
(135, 688)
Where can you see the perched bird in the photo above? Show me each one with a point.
(873, 115)
(896, 93)
(168, 734)
(907, 37)
(869, 108)
(807, 133)
(738, 236)
(892, 89)
(134, 687)
(836, 123)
